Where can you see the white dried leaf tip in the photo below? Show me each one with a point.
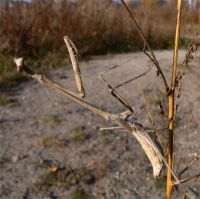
(19, 61)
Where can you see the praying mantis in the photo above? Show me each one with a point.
(150, 147)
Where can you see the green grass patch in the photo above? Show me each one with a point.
(66, 177)
(49, 142)
(177, 120)
(7, 101)
(53, 179)
(51, 120)
(8, 74)
(107, 137)
(78, 134)
(79, 194)
(160, 183)
(4, 101)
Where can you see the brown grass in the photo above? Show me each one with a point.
(39, 27)
(36, 29)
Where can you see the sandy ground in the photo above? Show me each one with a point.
(41, 129)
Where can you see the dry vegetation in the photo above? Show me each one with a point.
(36, 30)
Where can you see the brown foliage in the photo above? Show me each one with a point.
(96, 26)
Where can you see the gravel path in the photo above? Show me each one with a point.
(42, 130)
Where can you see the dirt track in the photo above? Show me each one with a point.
(40, 128)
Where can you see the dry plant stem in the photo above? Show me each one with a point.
(186, 180)
(146, 45)
(179, 78)
(171, 102)
(189, 165)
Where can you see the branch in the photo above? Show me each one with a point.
(189, 165)
(187, 180)
(146, 45)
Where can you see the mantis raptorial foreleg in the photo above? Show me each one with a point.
(116, 95)
(73, 52)
(149, 147)
(67, 92)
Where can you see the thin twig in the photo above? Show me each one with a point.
(186, 180)
(146, 45)
(189, 165)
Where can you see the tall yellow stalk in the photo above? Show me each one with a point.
(171, 101)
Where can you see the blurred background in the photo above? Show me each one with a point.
(35, 29)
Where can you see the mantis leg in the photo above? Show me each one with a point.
(73, 52)
(75, 96)
(117, 96)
